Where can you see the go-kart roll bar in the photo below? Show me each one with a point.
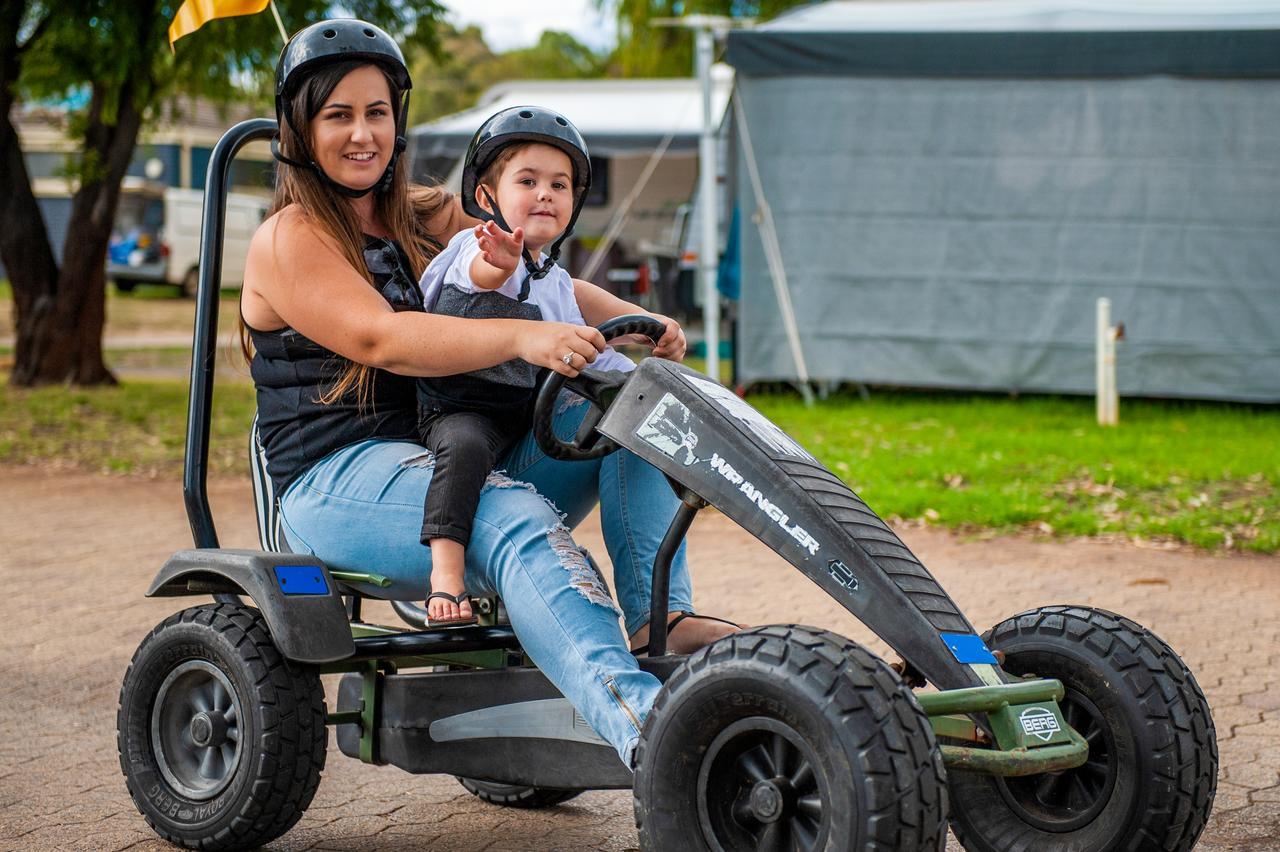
(204, 346)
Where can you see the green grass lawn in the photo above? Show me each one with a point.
(1206, 474)
(136, 427)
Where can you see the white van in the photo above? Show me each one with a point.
(163, 246)
(182, 214)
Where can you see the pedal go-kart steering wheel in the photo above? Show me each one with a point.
(597, 387)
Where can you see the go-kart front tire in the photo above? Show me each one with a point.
(221, 739)
(788, 737)
(1153, 757)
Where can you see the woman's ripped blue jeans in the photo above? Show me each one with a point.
(360, 508)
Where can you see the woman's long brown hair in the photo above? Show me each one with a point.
(403, 209)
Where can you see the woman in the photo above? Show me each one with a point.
(331, 307)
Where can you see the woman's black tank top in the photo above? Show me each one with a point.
(292, 372)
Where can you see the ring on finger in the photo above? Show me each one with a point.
(568, 359)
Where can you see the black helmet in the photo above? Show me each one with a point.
(339, 40)
(513, 126)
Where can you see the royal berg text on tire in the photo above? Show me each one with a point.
(221, 739)
(788, 737)
(516, 795)
(1153, 761)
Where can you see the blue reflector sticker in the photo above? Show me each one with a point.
(968, 648)
(301, 580)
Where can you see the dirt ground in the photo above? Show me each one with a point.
(78, 550)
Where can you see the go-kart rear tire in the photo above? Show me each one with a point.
(1153, 762)
(221, 739)
(788, 737)
(516, 795)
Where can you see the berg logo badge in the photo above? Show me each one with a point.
(1039, 722)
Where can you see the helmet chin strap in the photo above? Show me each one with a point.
(536, 271)
(382, 184)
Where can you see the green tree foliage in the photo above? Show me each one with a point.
(115, 54)
(645, 50)
(454, 76)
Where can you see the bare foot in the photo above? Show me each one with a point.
(688, 635)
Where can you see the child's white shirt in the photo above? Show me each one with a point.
(552, 295)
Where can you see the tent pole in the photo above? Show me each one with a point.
(773, 252)
(707, 251)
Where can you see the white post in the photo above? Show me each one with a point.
(1113, 392)
(1108, 399)
(708, 251)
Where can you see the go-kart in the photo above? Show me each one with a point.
(1060, 728)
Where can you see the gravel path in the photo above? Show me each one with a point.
(78, 550)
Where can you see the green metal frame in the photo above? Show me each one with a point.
(1019, 748)
(372, 672)
(1030, 734)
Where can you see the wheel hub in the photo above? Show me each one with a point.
(761, 786)
(1069, 800)
(769, 800)
(196, 730)
(209, 730)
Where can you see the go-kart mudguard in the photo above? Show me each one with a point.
(296, 595)
(704, 437)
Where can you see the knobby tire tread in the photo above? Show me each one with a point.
(295, 743)
(527, 798)
(1184, 786)
(908, 807)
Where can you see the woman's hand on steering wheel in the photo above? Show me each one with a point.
(547, 344)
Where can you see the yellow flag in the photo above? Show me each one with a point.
(193, 14)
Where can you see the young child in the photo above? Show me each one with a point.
(526, 173)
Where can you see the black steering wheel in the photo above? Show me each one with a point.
(595, 386)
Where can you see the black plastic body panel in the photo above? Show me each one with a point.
(308, 628)
(704, 437)
(410, 703)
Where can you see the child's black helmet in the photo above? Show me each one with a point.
(339, 40)
(514, 126)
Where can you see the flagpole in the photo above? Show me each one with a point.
(284, 36)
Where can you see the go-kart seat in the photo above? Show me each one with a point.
(267, 507)
(271, 537)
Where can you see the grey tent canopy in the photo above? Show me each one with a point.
(1004, 38)
(956, 183)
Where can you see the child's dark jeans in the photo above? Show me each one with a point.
(466, 445)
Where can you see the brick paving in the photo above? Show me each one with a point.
(77, 551)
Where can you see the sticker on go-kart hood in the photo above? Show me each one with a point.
(668, 429)
(764, 504)
(771, 435)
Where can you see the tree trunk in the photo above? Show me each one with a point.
(24, 242)
(64, 343)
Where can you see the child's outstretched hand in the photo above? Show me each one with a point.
(500, 249)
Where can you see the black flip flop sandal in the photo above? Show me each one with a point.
(459, 599)
(684, 613)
